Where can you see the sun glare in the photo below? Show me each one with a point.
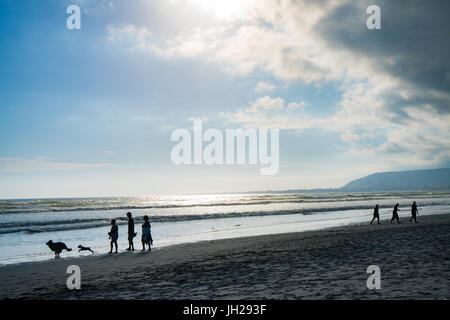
(225, 9)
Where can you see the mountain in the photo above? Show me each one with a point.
(432, 179)
(402, 180)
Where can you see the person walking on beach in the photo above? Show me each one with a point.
(376, 215)
(146, 234)
(131, 233)
(395, 213)
(113, 234)
(414, 212)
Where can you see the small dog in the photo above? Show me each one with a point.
(85, 249)
(57, 247)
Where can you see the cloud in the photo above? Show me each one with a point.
(412, 46)
(295, 105)
(394, 81)
(263, 86)
(267, 103)
(421, 138)
(93, 6)
(15, 165)
(270, 113)
(192, 119)
(132, 37)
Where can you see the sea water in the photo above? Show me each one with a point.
(27, 224)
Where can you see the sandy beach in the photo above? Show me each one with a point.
(328, 264)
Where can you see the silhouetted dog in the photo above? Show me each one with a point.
(85, 249)
(57, 247)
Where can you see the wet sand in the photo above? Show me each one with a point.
(328, 264)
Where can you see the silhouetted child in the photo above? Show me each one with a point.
(113, 234)
(131, 233)
(376, 215)
(146, 234)
(414, 212)
(395, 213)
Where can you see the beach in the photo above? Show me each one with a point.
(27, 225)
(414, 261)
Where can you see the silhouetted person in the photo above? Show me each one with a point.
(414, 212)
(146, 234)
(376, 215)
(131, 233)
(113, 234)
(395, 213)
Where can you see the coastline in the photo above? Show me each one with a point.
(325, 264)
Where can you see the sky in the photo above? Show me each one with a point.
(90, 112)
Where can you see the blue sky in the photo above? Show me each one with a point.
(90, 112)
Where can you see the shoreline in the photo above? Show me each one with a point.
(329, 263)
(169, 234)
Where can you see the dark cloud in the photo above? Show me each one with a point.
(412, 45)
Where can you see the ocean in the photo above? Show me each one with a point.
(27, 224)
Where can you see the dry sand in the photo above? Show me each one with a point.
(327, 264)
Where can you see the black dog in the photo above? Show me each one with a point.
(57, 247)
(85, 249)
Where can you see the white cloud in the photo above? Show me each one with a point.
(132, 37)
(94, 6)
(267, 112)
(263, 86)
(284, 39)
(295, 105)
(192, 119)
(267, 103)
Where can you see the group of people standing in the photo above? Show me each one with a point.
(146, 238)
(414, 213)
